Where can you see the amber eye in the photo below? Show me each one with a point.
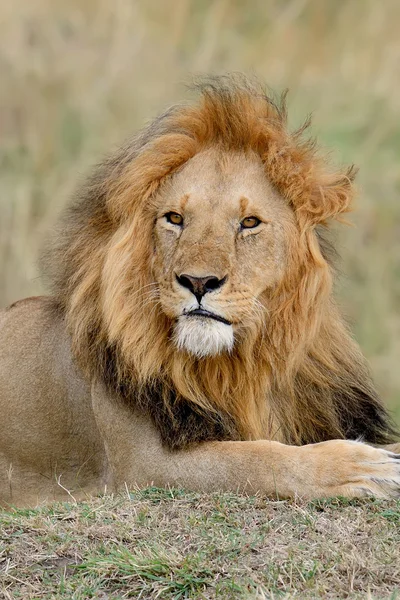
(174, 218)
(250, 222)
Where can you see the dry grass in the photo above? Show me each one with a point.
(77, 77)
(167, 544)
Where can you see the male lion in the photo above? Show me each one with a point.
(191, 338)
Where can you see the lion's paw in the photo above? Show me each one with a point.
(354, 469)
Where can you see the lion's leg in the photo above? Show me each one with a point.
(332, 468)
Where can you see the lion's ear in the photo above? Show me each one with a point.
(329, 196)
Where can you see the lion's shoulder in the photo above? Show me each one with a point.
(18, 307)
(28, 309)
(29, 321)
(32, 302)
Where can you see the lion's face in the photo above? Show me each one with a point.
(220, 244)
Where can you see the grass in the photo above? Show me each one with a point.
(170, 544)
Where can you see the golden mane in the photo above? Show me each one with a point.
(297, 376)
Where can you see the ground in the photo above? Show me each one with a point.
(171, 544)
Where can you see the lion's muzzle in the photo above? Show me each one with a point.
(202, 334)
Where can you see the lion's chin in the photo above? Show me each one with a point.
(202, 336)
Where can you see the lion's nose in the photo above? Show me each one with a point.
(199, 286)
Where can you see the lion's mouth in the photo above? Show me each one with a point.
(201, 312)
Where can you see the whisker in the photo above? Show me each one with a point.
(140, 290)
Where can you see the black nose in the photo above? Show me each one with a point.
(200, 285)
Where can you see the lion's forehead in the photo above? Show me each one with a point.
(215, 182)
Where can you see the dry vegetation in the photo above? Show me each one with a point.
(167, 544)
(77, 77)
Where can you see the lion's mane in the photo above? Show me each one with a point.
(297, 377)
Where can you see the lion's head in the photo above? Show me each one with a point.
(221, 245)
(192, 266)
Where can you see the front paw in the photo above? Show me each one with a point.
(353, 469)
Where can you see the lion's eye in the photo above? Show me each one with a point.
(174, 218)
(250, 222)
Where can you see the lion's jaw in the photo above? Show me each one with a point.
(213, 193)
(202, 336)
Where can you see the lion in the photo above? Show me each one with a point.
(191, 337)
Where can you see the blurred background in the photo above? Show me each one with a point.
(79, 76)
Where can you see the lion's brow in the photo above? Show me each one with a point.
(184, 200)
(244, 202)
